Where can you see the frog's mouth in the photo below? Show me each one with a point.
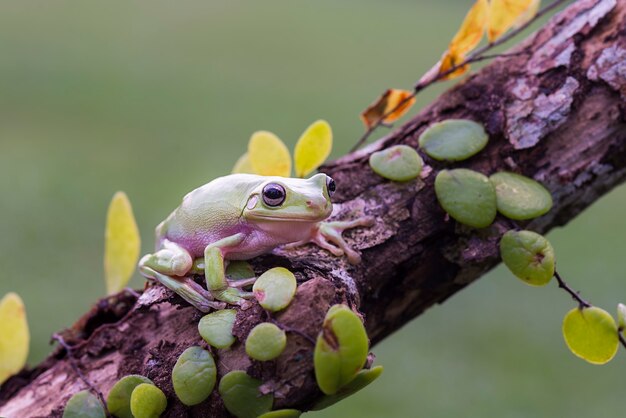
(281, 217)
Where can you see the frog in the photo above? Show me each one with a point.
(239, 217)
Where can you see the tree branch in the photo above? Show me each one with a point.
(556, 114)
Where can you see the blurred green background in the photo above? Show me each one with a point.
(156, 98)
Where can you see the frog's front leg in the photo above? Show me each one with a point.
(328, 235)
(168, 266)
(198, 268)
(215, 271)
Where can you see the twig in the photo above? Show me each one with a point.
(502, 55)
(289, 329)
(70, 356)
(285, 328)
(621, 339)
(298, 332)
(582, 302)
(478, 55)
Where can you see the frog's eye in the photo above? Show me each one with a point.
(273, 194)
(331, 186)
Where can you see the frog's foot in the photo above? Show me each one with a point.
(329, 236)
(185, 287)
(234, 296)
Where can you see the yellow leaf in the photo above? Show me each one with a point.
(389, 107)
(471, 31)
(398, 103)
(466, 39)
(268, 155)
(14, 336)
(313, 147)
(505, 14)
(447, 62)
(121, 243)
(243, 165)
(528, 14)
(591, 334)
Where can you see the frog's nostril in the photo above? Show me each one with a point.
(309, 203)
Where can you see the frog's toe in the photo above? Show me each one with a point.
(353, 256)
(245, 304)
(367, 221)
(241, 283)
(231, 295)
(340, 226)
(322, 242)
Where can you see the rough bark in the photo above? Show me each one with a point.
(555, 111)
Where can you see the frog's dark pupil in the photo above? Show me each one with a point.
(330, 184)
(273, 194)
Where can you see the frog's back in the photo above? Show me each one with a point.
(209, 213)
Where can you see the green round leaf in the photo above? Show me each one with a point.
(84, 404)
(398, 163)
(362, 379)
(239, 269)
(194, 375)
(118, 401)
(529, 256)
(453, 139)
(591, 334)
(282, 413)
(621, 316)
(519, 197)
(341, 349)
(241, 396)
(147, 401)
(265, 342)
(216, 328)
(275, 288)
(467, 196)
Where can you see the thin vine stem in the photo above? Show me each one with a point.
(574, 294)
(286, 328)
(479, 54)
(72, 360)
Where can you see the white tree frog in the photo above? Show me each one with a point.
(238, 217)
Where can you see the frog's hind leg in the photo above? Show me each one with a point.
(168, 266)
(171, 259)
